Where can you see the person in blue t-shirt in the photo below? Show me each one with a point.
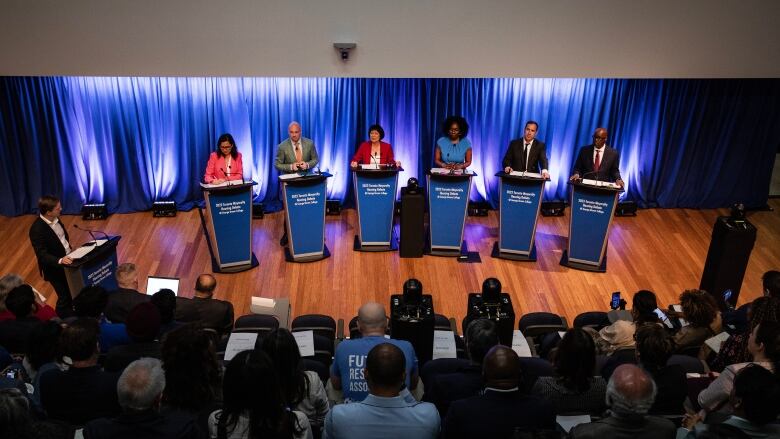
(453, 151)
(347, 371)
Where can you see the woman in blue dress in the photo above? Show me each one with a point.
(453, 151)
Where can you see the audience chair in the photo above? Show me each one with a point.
(688, 363)
(317, 367)
(592, 319)
(538, 323)
(258, 323)
(319, 323)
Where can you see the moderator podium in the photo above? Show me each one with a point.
(520, 200)
(97, 266)
(228, 222)
(593, 206)
(375, 189)
(448, 201)
(304, 196)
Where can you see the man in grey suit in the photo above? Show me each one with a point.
(527, 154)
(295, 153)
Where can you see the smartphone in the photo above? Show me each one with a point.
(11, 374)
(615, 303)
(727, 297)
(663, 317)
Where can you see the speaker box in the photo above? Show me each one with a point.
(413, 323)
(412, 240)
(727, 259)
(500, 312)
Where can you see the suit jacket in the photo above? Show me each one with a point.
(285, 155)
(15, 333)
(211, 313)
(497, 415)
(626, 427)
(79, 395)
(537, 158)
(448, 387)
(147, 424)
(608, 169)
(119, 357)
(120, 302)
(216, 168)
(48, 249)
(363, 154)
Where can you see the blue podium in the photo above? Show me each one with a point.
(304, 197)
(375, 191)
(592, 209)
(448, 201)
(98, 267)
(520, 200)
(228, 224)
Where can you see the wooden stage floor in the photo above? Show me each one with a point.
(661, 249)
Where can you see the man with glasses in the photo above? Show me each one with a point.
(598, 161)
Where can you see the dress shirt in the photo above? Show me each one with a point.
(56, 226)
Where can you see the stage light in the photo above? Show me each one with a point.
(478, 208)
(332, 207)
(626, 208)
(553, 208)
(95, 211)
(164, 209)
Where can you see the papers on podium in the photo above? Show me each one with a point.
(370, 166)
(86, 248)
(526, 174)
(223, 184)
(445, 171)
(600, 183)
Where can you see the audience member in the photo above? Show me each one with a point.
(502, 409)
(165, 301)
(143, 325)
(203, 308)
(389, 410)
(126, 297)
(620, 334)
(302, 390)
(735, 349)
(14, 333)
(481, 335)
(15, 418)
(701, 312)
(90, 303)
(247, 415)
(42, 355)
(630, 394)
(139, 391)
(350, 357)
(10, 281)
(771, 283)
(83, 392)
(654, 347)
(574, 389)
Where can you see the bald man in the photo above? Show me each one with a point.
(598, 161)
(502, 408)
(630, 394)
(349, 362)
(204, 308)
(295, 153)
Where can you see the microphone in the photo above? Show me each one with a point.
(596, 173)
(227, 174)
(374, 157)
(92, 232)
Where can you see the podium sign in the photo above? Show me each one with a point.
(304, 205)
(448, 200)
(375, 196)
(98, 267)
(519, 204)
(229, 222)
(592, 210)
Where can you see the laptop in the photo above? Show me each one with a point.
(156, 283)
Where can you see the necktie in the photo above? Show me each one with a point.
(298, 153)
(597, 162)
(525, 158)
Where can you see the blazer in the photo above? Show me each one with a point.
(48, 248)
(608, 170)
(211, 313)
(217, 168)
(363, 154)
(537, 158)
(625, 427)
(285, 155)
(121, 302)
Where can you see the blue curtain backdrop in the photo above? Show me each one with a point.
(130, 141)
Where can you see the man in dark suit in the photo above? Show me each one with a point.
(126, 297)
(502, 409)
(50, 243)
(527, 154)
(15, 333)
(204, 309)
(598, 161)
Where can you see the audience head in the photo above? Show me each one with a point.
(15, 418)
(205, 285)
(756, 395)
(8, 283)
(699, 307)
(455, 123)
(653, 346)
(630, 391)
(282, 349)
(127, 276)
(191, 368)
(372, 319)
(43, 344)
(47, 205)
(91, 302)
(385, 369)
(143, 322)
(771, 282)
(764, 342)
(165, 301)
(481, 335)
(575, 360)
(141, 385)
(21, 301)
(764, 308)
(642, 307)
(501, 368)
(79, 341)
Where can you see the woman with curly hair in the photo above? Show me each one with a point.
(453, 150)
(735, 349)
(700, 309)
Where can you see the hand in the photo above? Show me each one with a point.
(690, 420)
(217, 181)
(545, 174)
(619, 182)
(574, 177)
(507, 170)
(397, 164)
(66, 260)
(304, 165)
(353, 164)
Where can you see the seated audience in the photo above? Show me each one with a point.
(654, 347)
(700, 310)
(756, 402)
(574, 389)
(90, 303)
(764, 346)
(389, 410)
(165, 301)
(302, 390)
(10, 281)
(143, 325)
(502, 408)
(735, 349)
(630, 394)
(771, 283)
(350, 357)
(481, 335)
(17, 421)
(42, 355)
(139, 391)
(126, 297)
(14, 333)
(204, 309)
(83, 392)
(620, 334)
(245, 414)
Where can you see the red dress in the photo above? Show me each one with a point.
(363, 154)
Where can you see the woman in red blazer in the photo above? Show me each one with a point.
(374, 151)
(224, 163)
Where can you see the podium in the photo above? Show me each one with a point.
(520, 200)
(304, 197)
(448, 200)
(592, 209)
(228, 224)
(375, 191)
(727, 258)
(98, 267)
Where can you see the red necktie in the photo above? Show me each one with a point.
(597, 162)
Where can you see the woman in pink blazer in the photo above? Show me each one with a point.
(374, 151)
(224, 163)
